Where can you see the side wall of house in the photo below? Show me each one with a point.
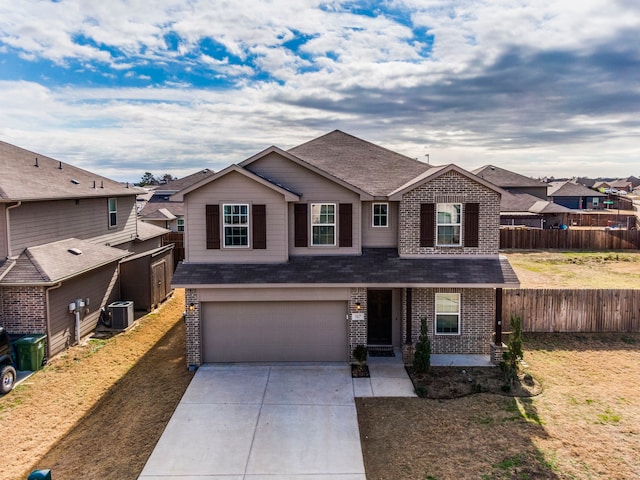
(22, 309)
(313, 188)
(450, 187)
(477, 313)
(4, 253)
(380, 237)
(36, 223)
(236, 188)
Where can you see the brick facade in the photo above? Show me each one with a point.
(357, 328)
(450, 187)
(23, 309)
(193, 327)
(477, 312)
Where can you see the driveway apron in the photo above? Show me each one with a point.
(259, 422)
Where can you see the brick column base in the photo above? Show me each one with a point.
(496, 353)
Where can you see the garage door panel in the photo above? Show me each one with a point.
(274, 331)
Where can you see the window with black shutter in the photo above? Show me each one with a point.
(259, 218)
(345, 233)
(300, 226)
(212, 226)
(427, 224)
(471, 224)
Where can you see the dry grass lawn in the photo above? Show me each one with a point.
(585, 424)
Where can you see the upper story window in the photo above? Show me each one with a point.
(380, 215)
(236, 225)
(448, 224)
(113, 210)
(447, 314)
(323, 224)
(180, 224)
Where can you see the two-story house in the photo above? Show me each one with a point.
(302, 255)
(65, 235)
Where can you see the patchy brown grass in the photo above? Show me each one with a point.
(98, 410)
(573, 269)
(584, 425)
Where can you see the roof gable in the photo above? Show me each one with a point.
(506, 178)
(365, 165)
(436, 172)
(30, 176)
(289, 195)
(570, 189)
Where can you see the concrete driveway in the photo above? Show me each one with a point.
(259, 422)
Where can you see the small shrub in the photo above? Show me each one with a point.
(511, 358)
(360, 354)
(422, 353)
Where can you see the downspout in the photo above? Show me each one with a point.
(9, 227)
(48, 322)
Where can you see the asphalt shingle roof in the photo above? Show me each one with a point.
(369, 167)
(506, 178)
(51, 179)
(570, 189)
(54, 261)
(376, 266)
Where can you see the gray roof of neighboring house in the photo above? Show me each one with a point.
(54, 262)
(51, 179)
(570, 189)
(524, 202)
(369, 167)
(146, 231)
(153, 210)
(377, 266)
(506, 178)
(184, 182)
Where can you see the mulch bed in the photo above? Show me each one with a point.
(359, 371)
(455, 382)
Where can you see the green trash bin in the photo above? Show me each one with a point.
(30, 352)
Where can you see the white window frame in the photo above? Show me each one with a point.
(226, 225)
(384, 216)
(113, 213)
(315, 224)
(180, 224)
(447, 312)
(451, 224)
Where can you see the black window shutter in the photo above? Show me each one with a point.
(212, 220)
(300, 225)
(471, 224)
(427, 224)
(345, 214)
(259, 217)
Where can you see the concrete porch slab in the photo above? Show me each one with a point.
(440, 360)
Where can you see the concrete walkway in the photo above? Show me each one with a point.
(387, 378)
(259, 422)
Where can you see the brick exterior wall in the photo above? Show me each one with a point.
(193, 328)
(477, 312)
(23, 309)
(357, 328)
(450, 187)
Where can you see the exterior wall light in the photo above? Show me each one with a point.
(192, 307)
(358, 306)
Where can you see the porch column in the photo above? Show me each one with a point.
(498, 326)
(409, 303)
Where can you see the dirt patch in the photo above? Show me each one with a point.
(455, 382)
(583, 425)
(98, 410)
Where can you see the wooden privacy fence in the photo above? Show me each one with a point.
(552, 310)
(177, 238)
(536, 239)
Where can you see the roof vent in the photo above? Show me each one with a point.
(36, 164)
(75, 251)
(60, 166)
(75, 182)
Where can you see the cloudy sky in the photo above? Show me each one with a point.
(121, 87)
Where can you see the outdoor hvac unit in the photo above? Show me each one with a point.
(121, 314)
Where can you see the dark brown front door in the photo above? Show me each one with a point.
(379, 317)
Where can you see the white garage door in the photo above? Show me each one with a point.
(274, 331)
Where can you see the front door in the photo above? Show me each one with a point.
(379, 308)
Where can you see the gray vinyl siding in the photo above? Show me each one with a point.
(235, 188)
(380, 236)
(36, 223)
(313, 188)
(100, 286)
(3, 232)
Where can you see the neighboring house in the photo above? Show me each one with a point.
(527, 210)
(512, 182)
(160, 210)
(64, 233)
(575, 196)
(302, 255)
